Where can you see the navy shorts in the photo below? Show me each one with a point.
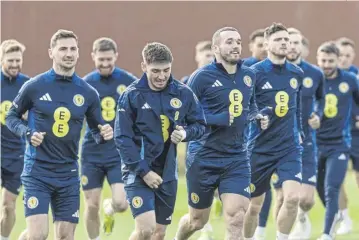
(205, 176)
(354, 152)
(142, 198)
(10, 176)
(276, 167)
(93, 174)
(62, 193)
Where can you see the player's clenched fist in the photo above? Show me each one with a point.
(178, 135)
(37, 138)
(152, 179)
(106, 131)
(264, 121)
(314, 121)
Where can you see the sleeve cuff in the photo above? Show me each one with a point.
(143, 168)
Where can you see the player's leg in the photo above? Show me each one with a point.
(234, 189)
(142, 203)
(263, 216)
(8, 203)
(164, 206)
(92, 177)
(279, 199)
(252, 216)
(336, 167)
(10, 183)
(321, 171)
(290, 174)
(346, 225)
(234, 210)
(145, 225)
(65, 206)
(91, 213)
(37, 227)
(202, 180)
(117, 203)
(262, 168)
(64, 230)
(303, 228)
(37, 197)
(193, 221)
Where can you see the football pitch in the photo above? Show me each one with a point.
(124, 223)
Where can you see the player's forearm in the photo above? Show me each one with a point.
(15, 123)
(320, 107)
(253, 110)
(221, 119)
(194, 131)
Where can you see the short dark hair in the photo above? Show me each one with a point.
(216, 35)
(62, 34)
(292, 30)
(156, 52)
(329, 48)
(346, 42)
(255, 34)
(203, 46)
(104, 44)
(305, 41)
(275, 27)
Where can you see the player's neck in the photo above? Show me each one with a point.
(276, 60)
(6, 74)
(231, 69)
(256, 57)
(61, 72)
(297, 61)
(334, 75)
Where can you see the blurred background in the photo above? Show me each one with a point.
(180, 25)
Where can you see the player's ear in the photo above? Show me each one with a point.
(250, 45)
(196, 58)
(50, 53)
(265, 44)
(116, 56)
(143, 67)
(93, 56)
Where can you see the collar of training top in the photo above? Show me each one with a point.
(143, 84)
(220, 66)
(61, 77)
(277, 66)
(7, 78)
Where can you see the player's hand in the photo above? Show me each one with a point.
(152, 179)
(231, 118)
(37, 138)
(178, 135)
(24, 116)
(264, 121)
(314, 121)
(106, 131)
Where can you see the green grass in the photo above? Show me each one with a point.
(124, 223)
